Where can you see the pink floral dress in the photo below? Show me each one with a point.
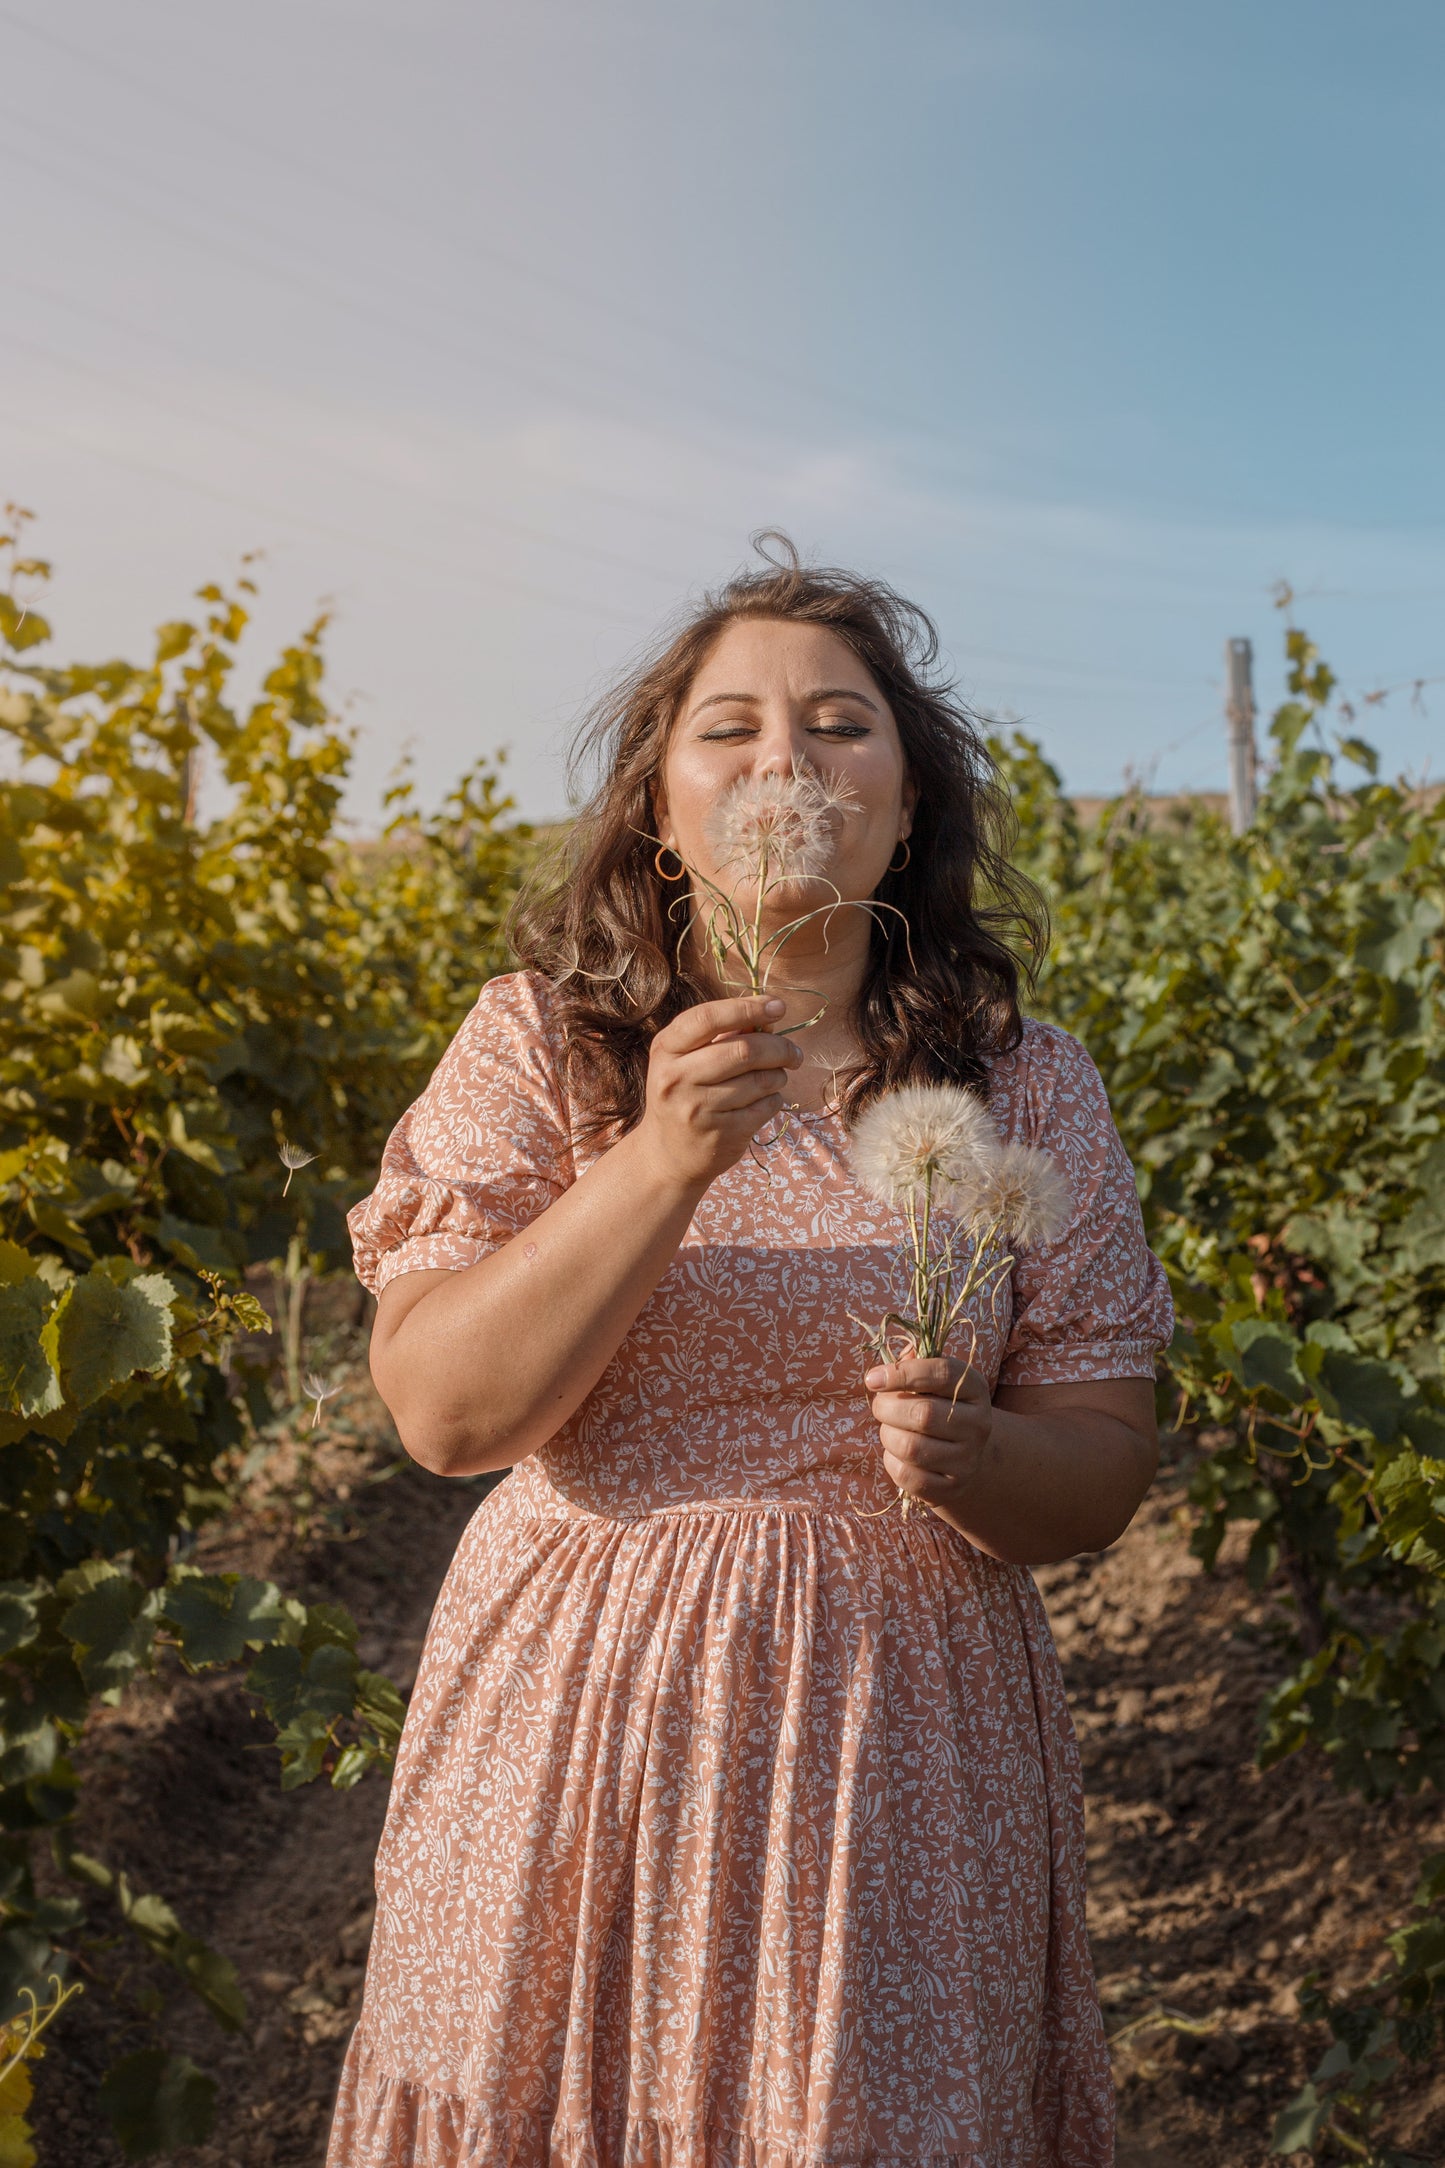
(730, 1826)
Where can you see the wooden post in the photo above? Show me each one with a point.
(1239, 714)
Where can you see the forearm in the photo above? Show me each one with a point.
(480, 1367)
(1048, 1486)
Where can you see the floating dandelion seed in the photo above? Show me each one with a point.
(293, 1158)
(318, 1390)
(780, 827)
(932, 1138)
(1020, 1194)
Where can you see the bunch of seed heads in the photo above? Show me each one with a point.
(970, 1205)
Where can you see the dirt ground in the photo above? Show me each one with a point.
(1213, 1888)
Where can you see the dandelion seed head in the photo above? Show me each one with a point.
(294, 1156)
(1024, 1193)
(784, 825)
(922, 1135)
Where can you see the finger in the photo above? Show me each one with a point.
(744, 1091)
(926, 1416)
(939, 1455)
(927, 1484)
(943, 1375)
(759, 1050)
(709, 1020)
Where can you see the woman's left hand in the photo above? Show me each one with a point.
(934, 1417)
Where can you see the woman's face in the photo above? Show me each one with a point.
(773, 697)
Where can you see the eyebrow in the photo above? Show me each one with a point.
(751, 700)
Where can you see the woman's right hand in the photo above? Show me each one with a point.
(715, 1076)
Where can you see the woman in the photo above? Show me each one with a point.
(736, 1819)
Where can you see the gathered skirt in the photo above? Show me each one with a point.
(744, 1833)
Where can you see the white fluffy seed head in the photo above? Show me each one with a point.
(782, 827)
(921, 1136)
(1022, 1192)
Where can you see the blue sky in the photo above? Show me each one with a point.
(502, 327)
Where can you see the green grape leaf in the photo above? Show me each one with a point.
(1298, 2126)
(110, 1623)
(79, 995)
(303, 1743)
(52, 1219)
(15, 1264)
(210, 1975)
(103, 1333)
(1269, 1356)
(380, 1704)
(157, 2103)
(28, 1381)
(217, 1617)
(198, 1248)
(1365, 1393)
(29, 1754)
(350, 1767)
(291, 1682)
(19, 1616)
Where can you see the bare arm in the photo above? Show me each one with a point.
(1040, 1473)
(480, 1367)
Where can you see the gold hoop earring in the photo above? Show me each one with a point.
(681, 873)
(907, 856)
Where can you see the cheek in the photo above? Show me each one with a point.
(691, 786)
(880, 788)
(881, 782)
(684, 798)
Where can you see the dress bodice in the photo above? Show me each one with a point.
(740, 1382)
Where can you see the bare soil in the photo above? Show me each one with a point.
(1213, 1887)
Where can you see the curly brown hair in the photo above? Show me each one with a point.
(938, 995)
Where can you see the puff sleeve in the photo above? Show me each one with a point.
(480, 1153)
(1096, 1303)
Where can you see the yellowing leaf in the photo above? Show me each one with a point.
(16, 2147)
(16, 2086)
(78, 994)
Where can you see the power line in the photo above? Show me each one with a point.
(310, 286)
(171, 405)
(539, 275)
(306, 263)
(977, 657)
(1083, 670)
(522, 266)
(926, 473)
(610, 497)
(1368, 594)
(434, 566)
(1414, 686)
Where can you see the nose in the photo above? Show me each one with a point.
(782, 749)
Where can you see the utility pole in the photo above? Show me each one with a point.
(1239, 715)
